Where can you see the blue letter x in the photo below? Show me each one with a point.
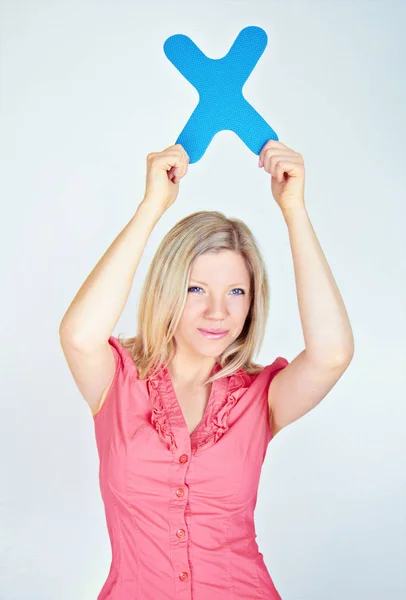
(219, 82)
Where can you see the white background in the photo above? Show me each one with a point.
(86, 92)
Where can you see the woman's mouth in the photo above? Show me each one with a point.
(213, 336)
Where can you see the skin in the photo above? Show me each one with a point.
(220, 304)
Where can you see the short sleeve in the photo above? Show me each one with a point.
(269, 372)
(273, 369)
(122, 356)
(277, 365)
(125, 372)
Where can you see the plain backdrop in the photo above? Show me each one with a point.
(86, 92)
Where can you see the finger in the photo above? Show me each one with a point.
(287, 167)
(271, 161)
(182, 167)
(264, 155)
(183, 152)
(176, 173)
(273, 144)
(171, 173)
(173, 161)
(272, 157)
(277, 165)
(280, 173)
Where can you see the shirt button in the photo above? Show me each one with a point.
(183, 458)
(180, 533)
(180, 493)
(183, 576)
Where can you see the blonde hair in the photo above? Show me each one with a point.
(164, 293)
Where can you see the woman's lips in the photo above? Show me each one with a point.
(212, 336)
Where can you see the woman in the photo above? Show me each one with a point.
(183, 417)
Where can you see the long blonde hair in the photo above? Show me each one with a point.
(164, 293)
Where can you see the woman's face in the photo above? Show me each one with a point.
(219, 297)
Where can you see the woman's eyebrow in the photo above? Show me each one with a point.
(202, 283)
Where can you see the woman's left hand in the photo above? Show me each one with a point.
(287, 170)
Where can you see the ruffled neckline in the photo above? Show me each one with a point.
(167, 414)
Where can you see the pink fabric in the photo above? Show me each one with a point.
(180, 508)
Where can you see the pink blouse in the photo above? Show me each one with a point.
(180, 508)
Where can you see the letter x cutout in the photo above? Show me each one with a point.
(219, 82)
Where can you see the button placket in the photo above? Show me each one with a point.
(178, 527)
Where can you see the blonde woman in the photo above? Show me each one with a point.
(182, 416)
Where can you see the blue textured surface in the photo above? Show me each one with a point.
(219, 82)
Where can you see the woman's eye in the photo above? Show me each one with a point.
(199, 288)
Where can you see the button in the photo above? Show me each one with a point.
(180, 492)
(183, 458)
(180, 533)
(183, 576)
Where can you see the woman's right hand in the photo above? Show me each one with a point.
(164, 171)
